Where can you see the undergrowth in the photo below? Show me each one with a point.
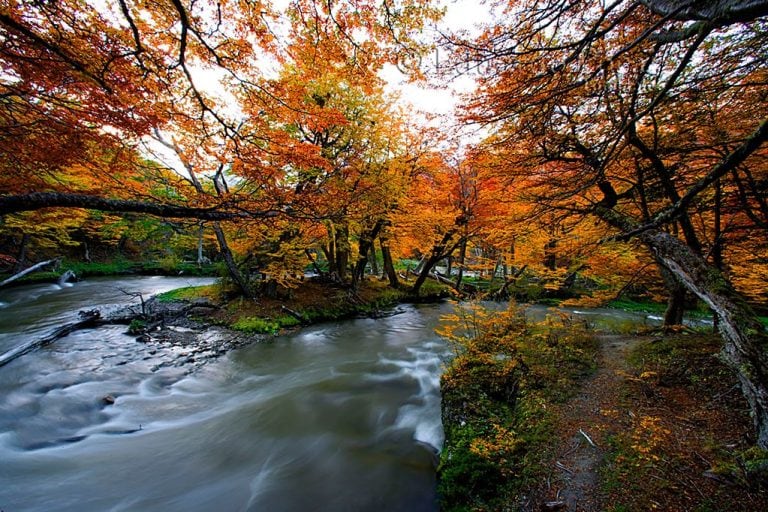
(685, 439)
(496, 392)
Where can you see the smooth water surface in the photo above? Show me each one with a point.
(336, 417)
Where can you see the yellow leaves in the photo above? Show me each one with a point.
(647, 436)
(500, 446)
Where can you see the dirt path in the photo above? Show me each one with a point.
(585, 424)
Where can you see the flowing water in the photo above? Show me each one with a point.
(339, 416)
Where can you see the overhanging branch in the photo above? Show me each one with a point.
(39, 200)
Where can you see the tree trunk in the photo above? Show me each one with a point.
(229, 261)
(21, 256)
(343, 250)
(386, 259)
(677, 294)
(439, 252)
(744, 337)
(374, 261)
(312, 259)
(717, 247)
(200, 255)
(550, 254)
(366, 244)
(462, 259)
(496, 266)
(29, 270)
(675, 311)
(330, 258)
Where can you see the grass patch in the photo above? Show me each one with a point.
(496, 394)
(637, 306)
(190, 293)
(256, 325)
(311, 302)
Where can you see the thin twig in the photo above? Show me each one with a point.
(589, 439)
(560, 465)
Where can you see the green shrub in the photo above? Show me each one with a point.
(137, 326)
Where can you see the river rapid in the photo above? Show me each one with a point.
(340, 416)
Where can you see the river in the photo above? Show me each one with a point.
(341, 416)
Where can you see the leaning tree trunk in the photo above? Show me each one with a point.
(439, 251)
(31, 269)
(229, 260)
(745, 340)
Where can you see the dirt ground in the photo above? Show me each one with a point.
(653, 437)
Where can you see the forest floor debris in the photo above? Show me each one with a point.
(670, 431)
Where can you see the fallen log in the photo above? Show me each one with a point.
(90, 318)
(29, 270)
(94, 318)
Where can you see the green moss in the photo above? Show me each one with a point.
(189, 293)
(137, 326)
(683, 359)
(257, 325)
(168, 266)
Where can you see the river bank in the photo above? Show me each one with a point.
(548, 417)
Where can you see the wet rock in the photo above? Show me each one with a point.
(109, 399)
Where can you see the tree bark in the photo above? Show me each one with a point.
(386, 259)
(366, 244)
(744, 337)
(462, 260)
(343, 250)
(229, 260)
(675, 311)
(201, 259)
(373, 260)
(550, 254)
(39, 200)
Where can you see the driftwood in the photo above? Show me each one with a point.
(88, 319)
(93, 318)
(29, 270)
